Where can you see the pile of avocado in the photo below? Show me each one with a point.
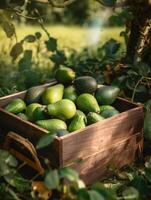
(71, 104)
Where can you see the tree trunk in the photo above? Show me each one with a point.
(140, 36)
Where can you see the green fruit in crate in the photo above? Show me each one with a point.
(52, 125)
(64, 109)
(61, 132)
(87, 103)
(16, 106)
(70, 93)
(109, 113)
(80, 113)
(106, 95)
(106, 107)
(77, 123)
(53, 94)
(147, 126)
(30, 110)
(85, 84)
(39, 113)
(34, 94)
(65, 75)
(23, 116)
(93, 118)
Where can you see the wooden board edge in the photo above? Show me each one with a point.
(106, 120)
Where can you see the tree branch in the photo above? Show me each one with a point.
(52, 3)
(117, 5)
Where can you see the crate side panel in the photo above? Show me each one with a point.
(98, 167)
(101, 135)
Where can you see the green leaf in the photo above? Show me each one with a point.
(83, 194)
(16, 50)
(52, 179)
(69, 174)
(148, 174)
(51, 44)
(130, 193)
(25, 62)
(45, 141)
(143, 69)
(30, 38)
(109, 3)
(111, 47)
(8, 27)
(15, 180)
(107, 193)
(94, 195)
(7, 161)
(38, 35)
(140, 184)
(58, 58)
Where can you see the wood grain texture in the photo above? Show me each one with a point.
(98, 136)
(97, 167)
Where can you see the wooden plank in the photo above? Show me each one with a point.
(98, 136)
(96, 167)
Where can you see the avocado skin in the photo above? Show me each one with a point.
(109, 113)
(93, 118)
(23, 116)
(147, 126)
(52, 125)
(87, 103)
(39, 113)
(53, 94)
(64, 75)
(30, 110)
(16, 106)
(106, 95)
(85, 84)
(70, 93)
(77, 123)
(34, 94)
(63, 109)
(61, 132)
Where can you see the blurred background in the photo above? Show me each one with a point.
(77, 32)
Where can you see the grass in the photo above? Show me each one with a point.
(68, 36)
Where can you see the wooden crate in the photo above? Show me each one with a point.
(113, 141)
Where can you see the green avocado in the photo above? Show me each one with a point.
(53, 94)
(93, 118)
(63, 109)
(106, 107)
(23, 116)
(52, 125)
(61, 132)
(70, 93)
(85, 84)
(80, 113)
(16, 106)
(109, 113)
(106, 95)
(34, 94)
(87, 103)
(30, 110)
(77, 123)
(65, 75)
(39, 113)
